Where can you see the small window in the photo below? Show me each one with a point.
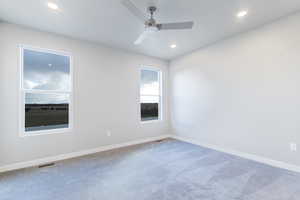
(150, 95)
(46, 91)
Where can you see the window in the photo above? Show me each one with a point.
(46, 91)
(150, 95)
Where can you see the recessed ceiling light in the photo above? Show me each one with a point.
(52, 5)
(173, 46)
(242, 13)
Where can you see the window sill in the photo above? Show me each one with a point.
(45, 132)
(151, 121)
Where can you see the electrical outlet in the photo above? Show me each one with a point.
(108, 133)
(293, 147)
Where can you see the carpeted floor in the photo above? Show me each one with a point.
(169, 170)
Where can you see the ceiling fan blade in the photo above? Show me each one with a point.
(176, 26)
(141, 38)
(134, 10)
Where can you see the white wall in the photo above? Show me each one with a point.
(242, 93)
(106, 91)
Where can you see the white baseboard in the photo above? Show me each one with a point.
(253, 157)
(42, 161)
(260, 159)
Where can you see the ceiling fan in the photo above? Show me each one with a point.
(151, 26)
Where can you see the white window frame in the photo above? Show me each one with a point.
(23, 91)
(160, 103)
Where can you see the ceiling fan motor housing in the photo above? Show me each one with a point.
(152, 9)
(151, 23)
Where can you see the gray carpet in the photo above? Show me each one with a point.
(170, 170)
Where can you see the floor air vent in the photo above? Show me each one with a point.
(46, 165)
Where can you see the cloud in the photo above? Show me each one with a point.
(149, 76)
(47, 81)
(150, 86)
(48, 72)
(150, 89)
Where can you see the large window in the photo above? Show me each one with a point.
(46, 91)
(150, 94)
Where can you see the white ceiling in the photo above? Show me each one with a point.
(108, 22)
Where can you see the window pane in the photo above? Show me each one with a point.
(46, 71)
(150, 95)
(149, 82)
(46, 111)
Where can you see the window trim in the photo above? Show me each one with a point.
(160, 105)
(23, 91)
